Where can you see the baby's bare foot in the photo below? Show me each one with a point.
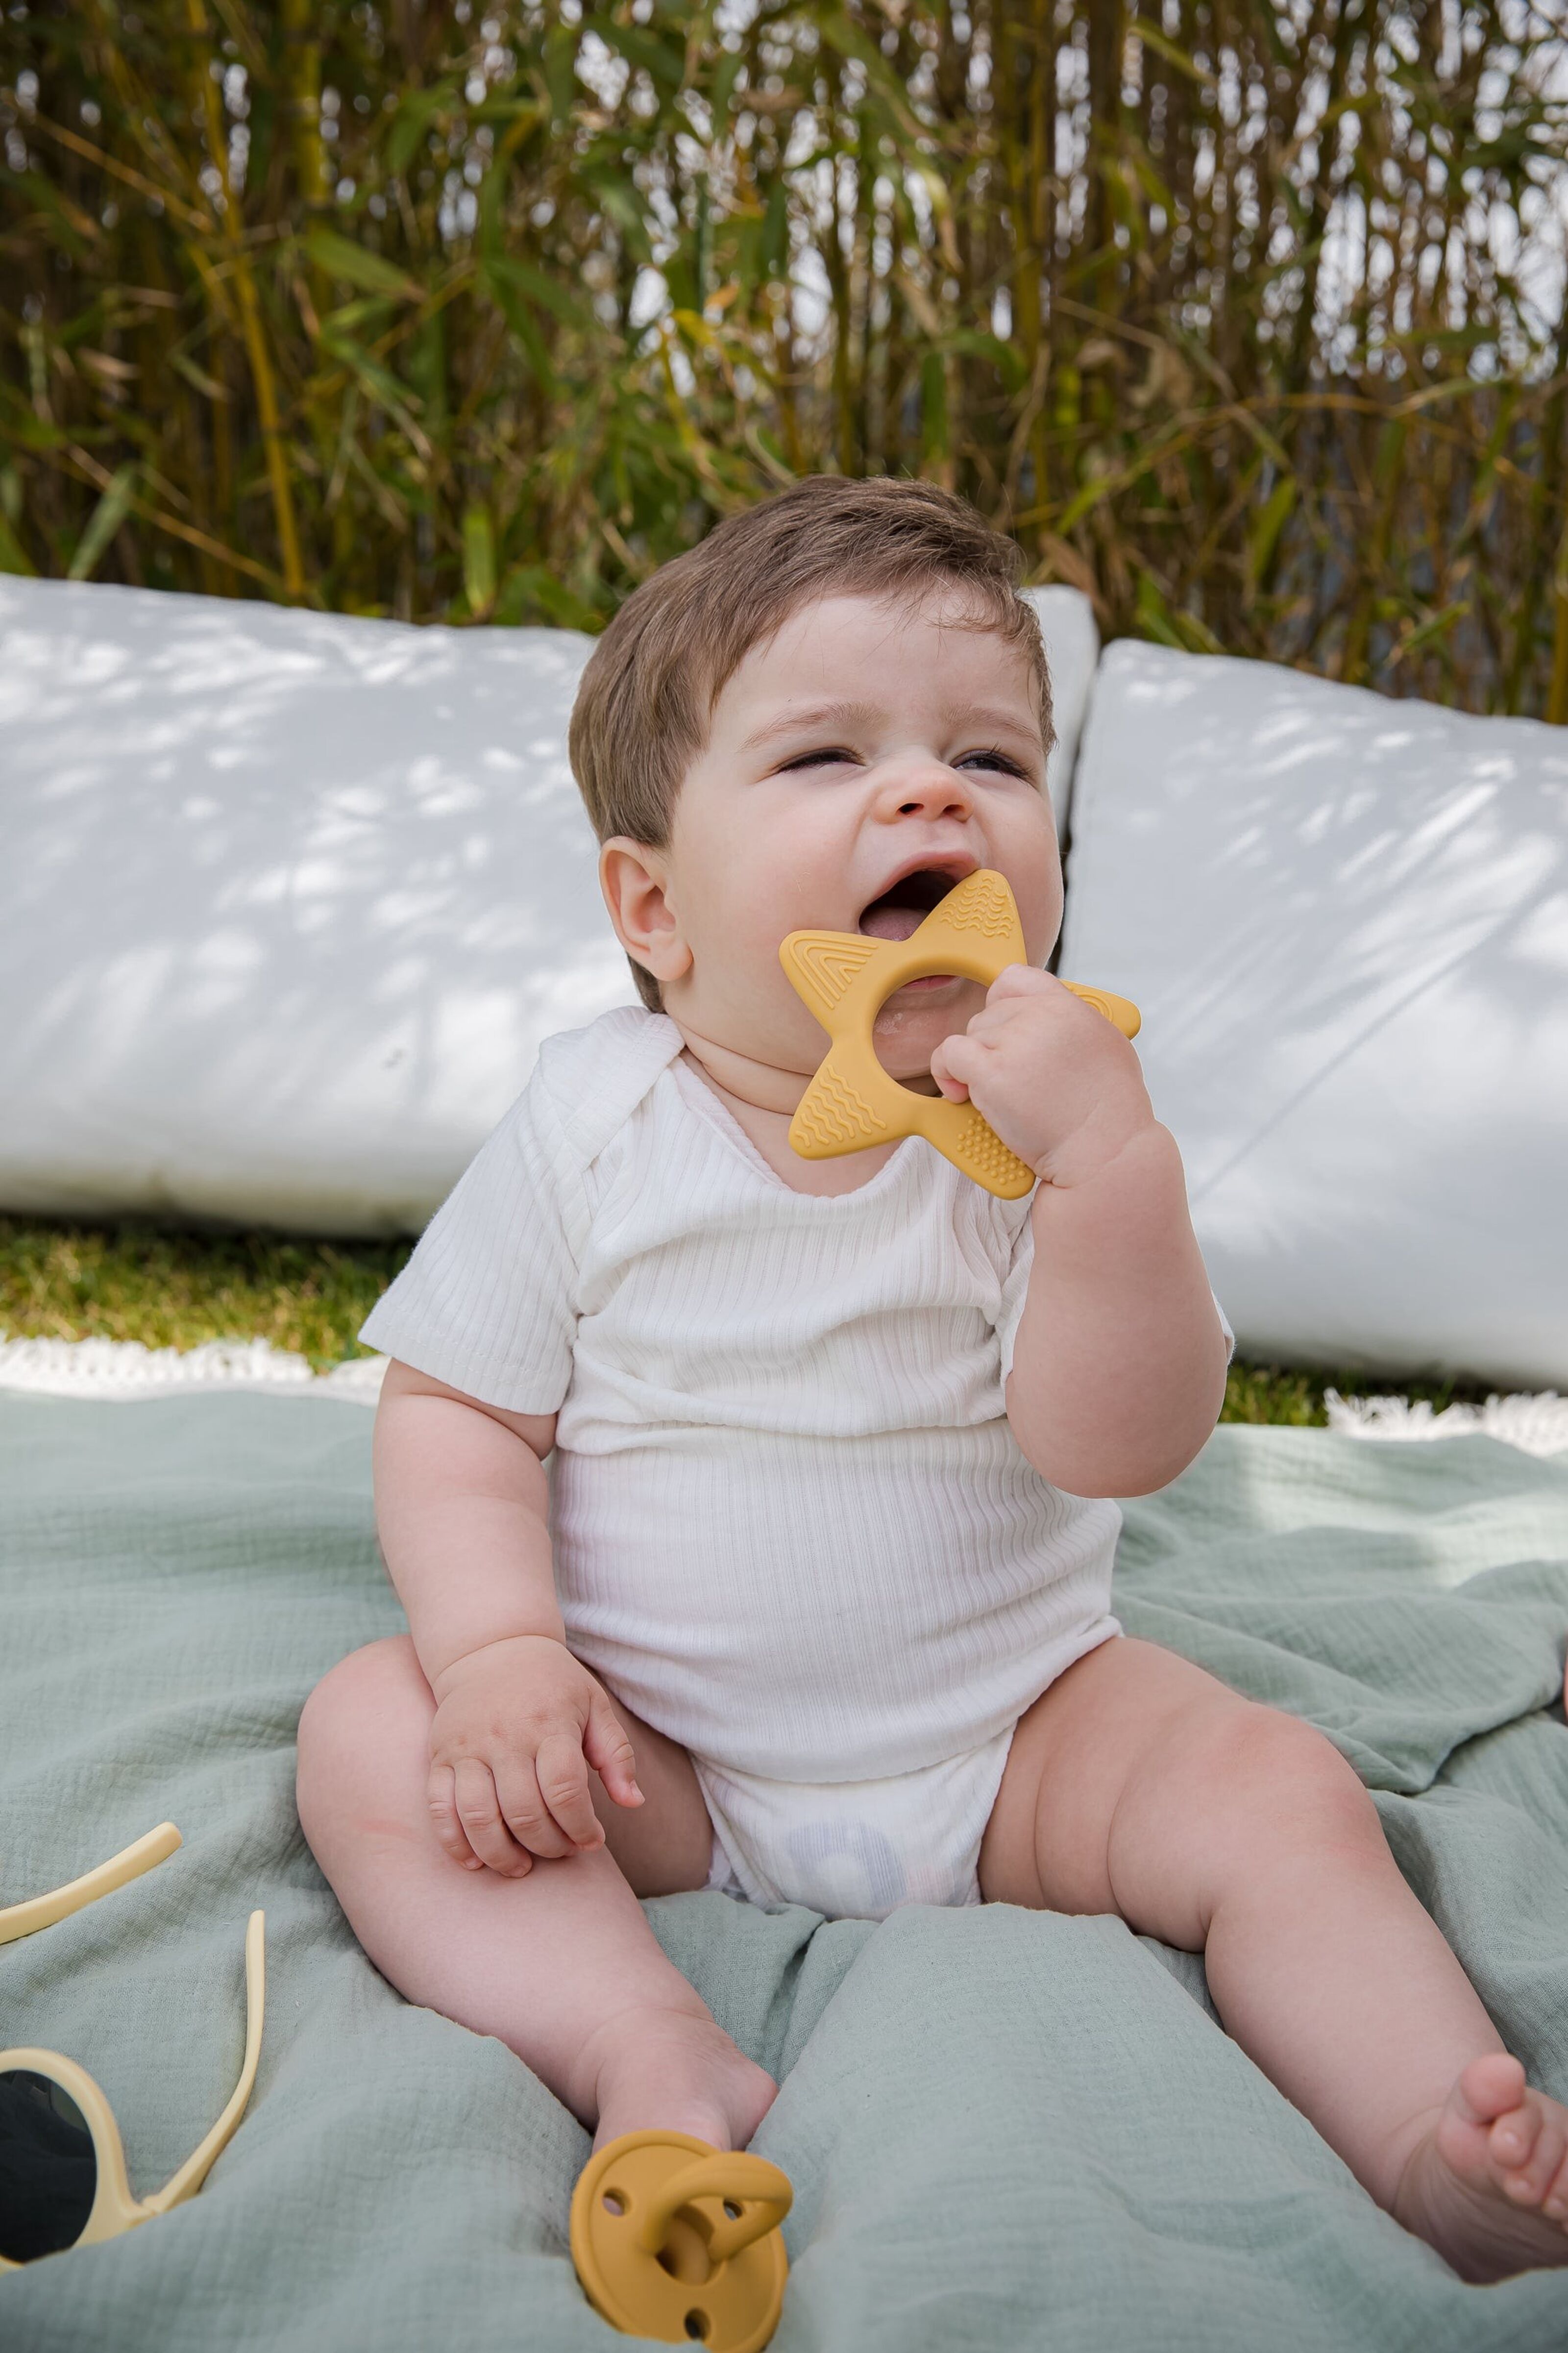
(679, 2070)
(1489, 2185)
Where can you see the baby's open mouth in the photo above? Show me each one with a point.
(905, 904)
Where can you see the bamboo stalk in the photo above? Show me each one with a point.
(252, 330)
(1557, 693)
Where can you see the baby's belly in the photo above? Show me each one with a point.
(827, 1609)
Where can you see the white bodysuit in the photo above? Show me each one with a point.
(792, 1526)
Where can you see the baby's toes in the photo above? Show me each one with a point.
(1510, 2143)
(1527, 2178)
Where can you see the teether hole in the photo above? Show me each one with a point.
(696, 2326)
(614, 2202)
(891, 1033)
(733, 2210)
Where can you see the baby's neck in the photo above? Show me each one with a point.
(761, 1099)
(761, 1086)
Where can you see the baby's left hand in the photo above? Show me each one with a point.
(1061, 1087)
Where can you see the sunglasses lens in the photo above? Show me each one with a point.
(48, 2167)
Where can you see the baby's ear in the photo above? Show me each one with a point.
(634, 877)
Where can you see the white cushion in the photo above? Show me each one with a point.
(1072, 649)
(287, 902)
(1346, 921)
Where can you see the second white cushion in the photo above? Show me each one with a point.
(1346, 921)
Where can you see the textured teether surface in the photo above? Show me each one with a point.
(845, 979)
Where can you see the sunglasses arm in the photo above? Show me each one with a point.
(199, 2164)
(42, 1911)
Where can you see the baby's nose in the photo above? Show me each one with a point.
(929, 788)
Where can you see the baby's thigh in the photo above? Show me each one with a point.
(364, 1741)
(665, 1846)
(1134, 1785)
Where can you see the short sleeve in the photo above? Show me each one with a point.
(487, 1302)
(1016, 1291)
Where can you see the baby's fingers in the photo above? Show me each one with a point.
(526, 1811)
(441, 1796)
(562, 1771)
(1021, 980)
(480, 1812)
(956, 1064)
(610, 1752)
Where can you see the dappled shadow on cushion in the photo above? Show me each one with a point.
(287, 902)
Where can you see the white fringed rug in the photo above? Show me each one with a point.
(1536, 1425)
(125, 1370)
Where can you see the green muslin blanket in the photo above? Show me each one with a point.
(1005, 2129)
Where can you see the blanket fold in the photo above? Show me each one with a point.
(1005, 2129)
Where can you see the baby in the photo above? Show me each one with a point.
(813, 1605)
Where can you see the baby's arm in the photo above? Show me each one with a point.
(1118, 1367)
(462, 1511)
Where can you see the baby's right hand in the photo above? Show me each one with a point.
(518, 1724)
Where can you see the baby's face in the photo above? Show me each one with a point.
(860, 764)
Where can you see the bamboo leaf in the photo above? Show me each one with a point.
(386, 390)
(520, 317)
(478, 561)
(197, 377)
(851, 41)
(536, 287)
(934, 420)
(1437, 625)
(534, 589)
(560, 69)
(102, 524)
(14, 557)
(411, 125)
(1263, 538)
(663, 61)
(357, 265)
(1169, 53)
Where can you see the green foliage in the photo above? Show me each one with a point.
(1229, 309)
(170, 1289)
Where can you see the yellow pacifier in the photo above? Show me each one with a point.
(677, 2240)
(845, 979)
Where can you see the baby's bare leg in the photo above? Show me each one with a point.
(561, 1965)
(1139, 1785)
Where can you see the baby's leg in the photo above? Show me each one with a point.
(561, 1965)
(1139, 1785)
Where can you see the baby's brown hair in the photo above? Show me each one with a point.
(647, 697)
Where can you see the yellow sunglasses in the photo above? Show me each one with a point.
(62, 2168)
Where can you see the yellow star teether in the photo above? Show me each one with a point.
(845, 979)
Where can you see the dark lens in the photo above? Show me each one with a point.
(48, 2167)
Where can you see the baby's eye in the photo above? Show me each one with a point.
(827, 756)
(993, 759)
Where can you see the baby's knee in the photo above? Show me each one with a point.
(1290, 1784)
(374, 1696)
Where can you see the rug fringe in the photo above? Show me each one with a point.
(1536, 1425)
(126, 1371)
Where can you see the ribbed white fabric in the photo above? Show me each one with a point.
(792, 1526)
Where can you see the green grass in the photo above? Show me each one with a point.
(173, 1289)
